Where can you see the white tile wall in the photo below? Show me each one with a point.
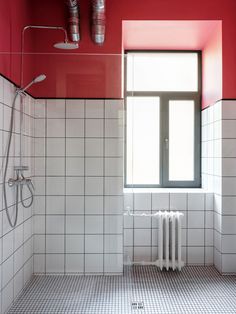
(219, 176)
(16, 247)
(141, 233)
(79, 204)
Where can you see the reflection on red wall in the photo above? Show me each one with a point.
(108, 78)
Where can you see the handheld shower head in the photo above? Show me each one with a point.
(39, 78)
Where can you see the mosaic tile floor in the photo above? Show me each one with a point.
(193, 290)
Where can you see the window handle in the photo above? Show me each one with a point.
(166, 143)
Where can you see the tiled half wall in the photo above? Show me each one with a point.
(78, 222)
(16, 245)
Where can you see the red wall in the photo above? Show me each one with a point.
(14, 15)
(212, 68)
(108, 73)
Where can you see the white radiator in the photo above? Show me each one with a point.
(169, 240)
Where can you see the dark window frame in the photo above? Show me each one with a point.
(164, 127)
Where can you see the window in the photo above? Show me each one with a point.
(162, 95)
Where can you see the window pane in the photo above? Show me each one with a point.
(162, 71)
(181, 140)
(142, 147)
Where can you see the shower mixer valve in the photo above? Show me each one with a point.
(20, 179)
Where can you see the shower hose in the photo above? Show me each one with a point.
(18, 179)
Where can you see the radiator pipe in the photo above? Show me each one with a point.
(98, 26)
(73, 20)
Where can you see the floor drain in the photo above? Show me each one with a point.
(137, 306)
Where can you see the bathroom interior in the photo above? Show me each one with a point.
(118, 156)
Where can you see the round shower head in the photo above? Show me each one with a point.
(66, 45)
(39, 78)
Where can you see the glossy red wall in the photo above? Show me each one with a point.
(108, 77)
(14, 15)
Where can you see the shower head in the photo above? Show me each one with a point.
(66, 45)
(37, 79)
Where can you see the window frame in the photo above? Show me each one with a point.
(165, 97)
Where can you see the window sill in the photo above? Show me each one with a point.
(164, 190)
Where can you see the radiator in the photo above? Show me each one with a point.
(169, 240)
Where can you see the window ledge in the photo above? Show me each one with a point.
(164, 190)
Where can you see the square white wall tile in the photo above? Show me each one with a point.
(93, 243)
(74, 185)
(94, 147)
(55, 263)
(196, 201)
(142, 237)
(228, 263)
(93, 263)
(39, 224)
(39, 244)
(113, 128)
(93, 185)
(55, 185)
(74, 127)
(40, 108)
(114, 166)
(195, 237)
(94, 127)
(113, 205)
(55, 224)
(142, 254)
(94, 108)
(114, 147)
(74, 147)
(74, 205)
(74, 224)
(229, 244)
(75, 108)
(55, 127)
(228, 109)
(113, 224)
(55, 108)
(55, 205)
(74, 166)
(160, 201)
(113, 185)
(74, 243)
(128, 237)
(228, 147)
(113, 263)
(54, 243)
(74, 263)
(113, 243)
(142, 201)
(196, 219)
(178, 201)
(93, 166)
(196, 255)
(228, 129)
(39, 263)
(114, 108)
(55, 147)
(55, 166)
(94, 224)
(40, 127)
(93, 205)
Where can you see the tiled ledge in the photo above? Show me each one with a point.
(165, 190)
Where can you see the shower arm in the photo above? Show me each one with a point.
(60, 28)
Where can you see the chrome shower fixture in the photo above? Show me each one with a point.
(37, 79)
(19, 182)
